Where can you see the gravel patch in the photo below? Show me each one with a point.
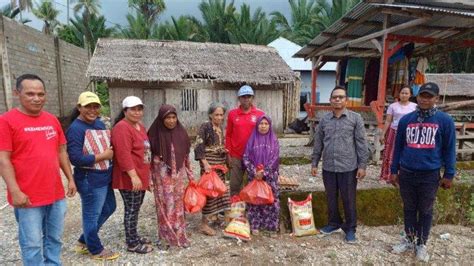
(373, 247)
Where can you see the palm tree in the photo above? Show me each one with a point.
(300, 28)
(10, 12)
(184, 28)
(138, 28)
(75, 32)
(255, 29)
(150, 9)
(218, 18)
(88, 8)
(46, 12)
(330, 13)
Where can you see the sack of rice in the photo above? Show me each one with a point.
(302, 219)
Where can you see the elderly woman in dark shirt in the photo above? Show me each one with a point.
(210, 151)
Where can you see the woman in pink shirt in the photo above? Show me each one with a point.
(395, 112)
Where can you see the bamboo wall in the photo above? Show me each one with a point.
(280, 102)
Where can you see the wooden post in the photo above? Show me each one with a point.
(7, 84)
(314, 77)
(59, 74)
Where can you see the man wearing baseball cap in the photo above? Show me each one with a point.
(240, 123)
(425, 143)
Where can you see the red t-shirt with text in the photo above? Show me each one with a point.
(34, 145)
(239, 128)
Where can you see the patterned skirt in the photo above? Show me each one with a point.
(222, 203)
(388, 154)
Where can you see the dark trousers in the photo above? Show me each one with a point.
(418, 192)
(344, 183)
(132, 202)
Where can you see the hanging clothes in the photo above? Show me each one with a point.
(371, 81)
(399, 76)
(354, 74)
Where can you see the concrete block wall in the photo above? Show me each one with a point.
(31, 51)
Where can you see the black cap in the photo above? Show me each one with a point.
(429, 87)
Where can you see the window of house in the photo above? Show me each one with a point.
(189, 99)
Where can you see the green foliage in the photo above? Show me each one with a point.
(138, 28)
(294, 160)
(150, 9)
(255, 29)
(470, 214)
(75, 32)
(102, 91)
(218, 17)
(184, 28)
(310, 17)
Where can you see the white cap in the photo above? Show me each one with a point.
(131, 101)
(245, 90)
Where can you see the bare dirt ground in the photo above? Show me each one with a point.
(373, 246)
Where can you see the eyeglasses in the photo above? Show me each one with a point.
(340, 97)
(246, 96)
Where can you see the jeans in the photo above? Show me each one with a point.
(344, 184)
(97, 206)
(39, 232)
(418, 192)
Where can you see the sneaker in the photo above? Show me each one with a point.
(81, 248)
(403, 246)
(351, 237)
(329, 229)
(422, 253)
(106, 255)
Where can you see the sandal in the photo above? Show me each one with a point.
(145, 241)
(81, 248)
(206, 230)
(255, 232)
(106, 254)
(140, 249)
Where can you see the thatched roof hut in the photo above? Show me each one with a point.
(176, 61)
(174, 66)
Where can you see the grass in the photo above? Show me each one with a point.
(294, 160)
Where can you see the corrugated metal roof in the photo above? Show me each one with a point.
(429, 8)
(449, 16)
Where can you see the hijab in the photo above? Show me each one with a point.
(263, 148)
(162, 137)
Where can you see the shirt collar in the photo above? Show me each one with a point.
(344, 113)
(252, 108)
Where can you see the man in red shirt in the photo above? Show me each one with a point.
(240, 123)
(32, 149)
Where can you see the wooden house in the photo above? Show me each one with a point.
(191, 75)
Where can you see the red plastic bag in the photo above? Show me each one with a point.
(257, 192)
(211, 184)
(194, 200)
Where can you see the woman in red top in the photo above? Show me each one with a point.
(131, 170)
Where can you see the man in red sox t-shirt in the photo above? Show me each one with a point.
(240, 123)
(32, 150)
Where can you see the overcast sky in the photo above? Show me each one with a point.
(115, 11)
